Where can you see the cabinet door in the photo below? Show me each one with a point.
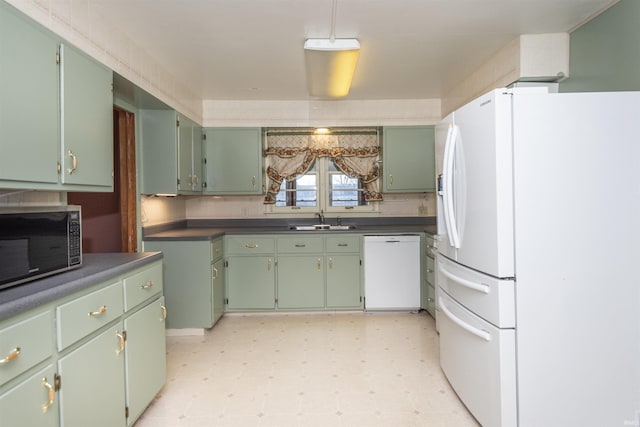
(197, 159)
(187, 282)
(93, 382)
(33, 402)
(158, 130)
(251, 283)
(343, 281)
(87, 120)
(29, 102)
(218, 275)
(233, 160)
(185, 155)
(301, 281)
(145, 359)
(408, 159)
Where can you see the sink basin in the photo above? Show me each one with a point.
(321, 227)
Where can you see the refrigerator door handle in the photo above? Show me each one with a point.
(464, 325)
(449, 210)
(464, 282)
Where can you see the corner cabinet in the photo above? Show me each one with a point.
(97, 357)
(68, 95)
(408, 159)
(194, 281)
(171, 153)
(233, 161)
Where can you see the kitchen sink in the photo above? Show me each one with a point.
(321, 227)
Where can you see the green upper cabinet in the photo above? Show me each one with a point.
(233, 160)
(87, 120)
(28, 95)
(189, 156)
(171, 153)
(56, 111)
(408, 159)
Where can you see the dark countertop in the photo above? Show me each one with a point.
(95, 269)
(211, 229)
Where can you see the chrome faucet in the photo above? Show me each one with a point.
(321, 216)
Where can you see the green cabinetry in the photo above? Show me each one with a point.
(344, 287)
(193, 277)
(233, 161)
(301, 272)
(428, 288)
(96, 357)
(56, 111)
(408, 159)
(171, 153)
(251, 280)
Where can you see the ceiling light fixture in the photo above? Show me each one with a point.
(330, 63)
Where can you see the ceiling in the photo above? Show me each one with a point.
(410, 49)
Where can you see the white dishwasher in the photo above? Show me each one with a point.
(392, 272)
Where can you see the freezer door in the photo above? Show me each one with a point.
(479, 360)
(476, 187)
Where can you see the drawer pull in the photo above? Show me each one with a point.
(251, 245)
(215, 273)
(269, 264)
(122, 337)
(147, 285)
(101, 310)
(51, 392)
(331, 263)
(300, 245)
(343, 245)
(12, 355)
(318, 264)
(164, 312)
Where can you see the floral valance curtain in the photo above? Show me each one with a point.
(290, 153)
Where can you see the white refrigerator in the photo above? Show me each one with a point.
(539, 230)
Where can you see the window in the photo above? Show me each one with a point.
(334, 172)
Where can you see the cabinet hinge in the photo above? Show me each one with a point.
(226, 263)
(204, 136)
(58, 58)
(177, 123)
(204, 184)
(276, 300)
(204, 160)
(178, 181)
(126, 412)
(226, 300)
(57, 382)
(360, 262)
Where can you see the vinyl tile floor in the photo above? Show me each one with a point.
(308, 369)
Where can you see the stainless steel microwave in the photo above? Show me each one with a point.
(38, 241)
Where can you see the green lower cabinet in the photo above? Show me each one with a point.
(93, 381)
(218, 275)
(301, 281)
(28, 404)
(343, 281)
(251, 283)
(145, 357)
(187, 282)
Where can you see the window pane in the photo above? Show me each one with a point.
(301, 192)
(345, 191)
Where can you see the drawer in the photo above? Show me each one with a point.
(25, 344)
(250, 245)
(430, 271)
(300, 244)
(141, 286)
(217, 249)
(343, 243)
(82, 316)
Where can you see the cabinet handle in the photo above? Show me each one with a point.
(51, 392)
(301, 245)
(215, 273)
(343, 245)
(164, 312)
(122, 337)
(318, 264)
(74, 162)
(269, 264)
(251, 245)
(12, 355)
(147, 285)
(390, 179)
(331, 263)
(253, 182)
(100, 311)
